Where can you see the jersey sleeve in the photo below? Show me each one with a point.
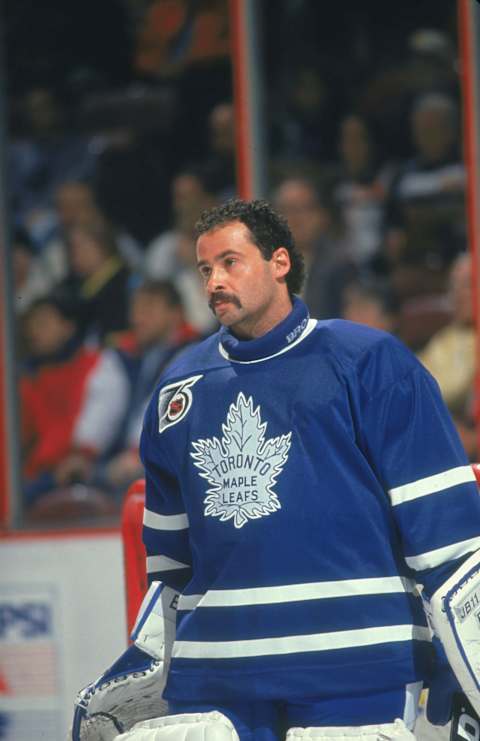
(165, 521)
(413, 446)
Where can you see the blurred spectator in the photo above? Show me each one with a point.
(303, 118)
(45, 155)
(360, 190)
(219, 162)
(52, 391)
(75, 205)
(432, 62)
(172, 254)
(184, 45)
(325, 253)
(422, 316)
(298, 200)
(190, 196)
(427, 196)
(189, 284)
(132, 176)
(450, 354)
(99, 281)
(428, 65)
(107, 455)
(370, 301)
(30, 279)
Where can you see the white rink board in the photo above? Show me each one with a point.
(62, 623)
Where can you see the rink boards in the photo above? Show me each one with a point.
(62, 622)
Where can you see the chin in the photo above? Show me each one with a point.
(227, 318)
(226, 321)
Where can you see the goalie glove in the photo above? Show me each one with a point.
(131, 689)
(454, 611)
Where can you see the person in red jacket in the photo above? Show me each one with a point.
(104, 447)
(52, 388)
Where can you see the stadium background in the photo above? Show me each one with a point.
(244, 96)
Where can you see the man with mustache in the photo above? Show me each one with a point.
(302, 479)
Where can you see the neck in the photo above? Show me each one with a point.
(262, 323)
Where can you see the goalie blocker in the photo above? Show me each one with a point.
(131, 689)
(454, 610)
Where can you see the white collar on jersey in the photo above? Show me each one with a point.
(285, 335)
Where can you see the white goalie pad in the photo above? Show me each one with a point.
(213, 726)
(131, 689)
(455, 617)
(396, 731)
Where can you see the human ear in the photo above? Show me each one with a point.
(281, 262)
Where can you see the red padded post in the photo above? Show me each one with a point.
(134, 556)
(476, 471)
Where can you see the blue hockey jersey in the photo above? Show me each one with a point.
(298, 486)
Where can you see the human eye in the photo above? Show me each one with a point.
(230, 260)
(205, 271)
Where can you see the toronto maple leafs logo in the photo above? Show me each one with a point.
(241, 467)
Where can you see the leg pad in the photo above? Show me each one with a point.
(213, 726)
(397, 731)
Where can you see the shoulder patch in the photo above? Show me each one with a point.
(174, 402)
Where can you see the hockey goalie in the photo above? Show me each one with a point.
(306, 492)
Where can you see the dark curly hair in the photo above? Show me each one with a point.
(268, 229)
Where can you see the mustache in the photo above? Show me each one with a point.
(222, 296)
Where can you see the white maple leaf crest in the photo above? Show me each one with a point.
(241, 467)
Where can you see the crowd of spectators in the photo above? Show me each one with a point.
(102, 235)
(100, 308)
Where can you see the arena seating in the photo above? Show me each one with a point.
(73, 506)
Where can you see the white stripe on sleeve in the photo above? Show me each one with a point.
(431, 484)
(164, 563)
(298, 643)
(165, 522)
(431, 559)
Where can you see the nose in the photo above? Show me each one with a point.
(217, 279)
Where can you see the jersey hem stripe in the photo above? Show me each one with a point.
(299, 643)
(295, 592)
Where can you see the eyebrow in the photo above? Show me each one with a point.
(223, 254)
